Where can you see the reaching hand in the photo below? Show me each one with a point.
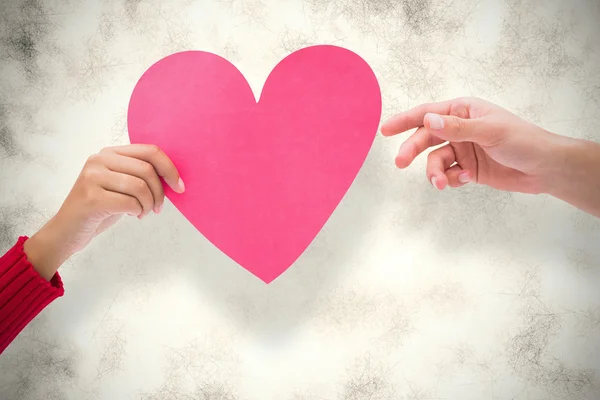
(485, 144)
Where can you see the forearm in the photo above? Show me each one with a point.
(45, 249)
(576, 176)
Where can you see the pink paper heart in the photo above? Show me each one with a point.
(262, 178)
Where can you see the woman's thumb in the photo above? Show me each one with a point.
(451, 128)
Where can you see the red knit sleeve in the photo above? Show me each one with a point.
(23, 293)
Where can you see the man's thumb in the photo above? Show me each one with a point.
(451, 128)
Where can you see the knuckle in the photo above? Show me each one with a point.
(93, 159)
(142, 193)
(106, 150)
(90, 173)
(461, 108)
(463, 113)
(140, 186)
(148, 169)
(464, 102)
(154, 149)
(91, 196)
(96, 161)
(458, 124)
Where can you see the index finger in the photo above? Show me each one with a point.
(413, 118)
(153, 155)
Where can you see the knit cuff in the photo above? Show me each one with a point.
(23, 292)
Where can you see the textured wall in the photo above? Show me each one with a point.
(407, 293)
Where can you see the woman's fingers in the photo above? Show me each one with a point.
(140, 169)
(131, 186)
(413, 118)
(157, 158)
(119, 203)
(416, 144)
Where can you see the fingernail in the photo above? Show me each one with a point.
(180, 186)
(434, 182)
(436, 122)
(159, 208)
(464, 177)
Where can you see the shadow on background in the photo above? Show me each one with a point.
(272, 311)
(446, 220)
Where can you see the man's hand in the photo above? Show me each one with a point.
(483, 143)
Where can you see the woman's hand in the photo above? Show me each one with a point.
(116, 181)
(484, 144)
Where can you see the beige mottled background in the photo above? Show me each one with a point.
(407, 293)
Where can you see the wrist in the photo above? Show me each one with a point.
(46, 250)
(575, 176)
(561, 163)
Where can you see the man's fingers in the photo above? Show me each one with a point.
(157, 158)
(131, 186)
(140, 169)
(413, 118)
(456, 129)
(416, 144)
(439, 161)
(457, 176)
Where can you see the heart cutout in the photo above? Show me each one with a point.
(262, 178)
